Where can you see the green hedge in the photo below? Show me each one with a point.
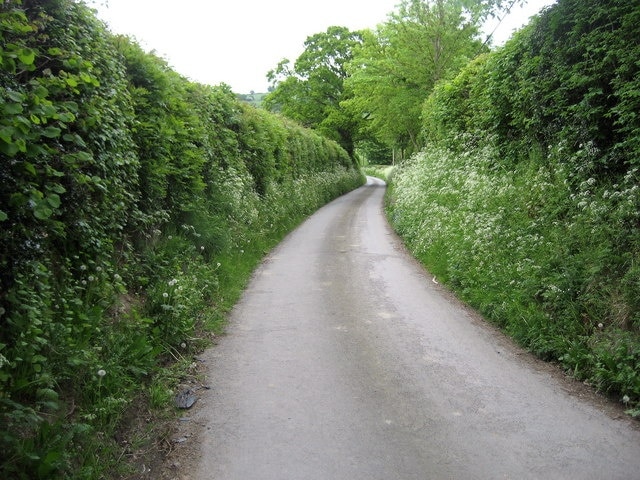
(527, 200)
(133, 204)
(569, 79)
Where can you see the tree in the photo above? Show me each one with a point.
(310, 92)
(396, 67)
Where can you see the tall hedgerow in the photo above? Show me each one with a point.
(568, 78)
(69, 179)
(527, 200)
(133, 205)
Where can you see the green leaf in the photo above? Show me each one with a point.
(18, 199)
(66, 117)
(35, 195)
(15, 96)
(27, 56)
(74, 138)
(34, 150)
(3, 216)
(10, 149)
(41, 91)
(9, 65)
(6, 134)
(71, 106)
(48, 111)
(30, 168)
(85, 77)
(51, 132)
(42, 212)
(84, 156)
(75, 361)
(21, 145)
(50, 405)
(12, 108)
(46, 394)
(22, 123)
(53, 199)
(38, 359)
(58, 188)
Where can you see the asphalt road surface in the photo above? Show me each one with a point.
(345, 360)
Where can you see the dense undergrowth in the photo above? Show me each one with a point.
(527, 198)
(133, 206)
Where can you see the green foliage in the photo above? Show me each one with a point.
(458, 109)
(166, 125)
(134, 204)
(545, 265)
(68, 183)
(534, 95)
(374, 152)
(311, 92)
(526, 200)
(397, 66)
(380, 171)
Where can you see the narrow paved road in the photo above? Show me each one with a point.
(345, 361)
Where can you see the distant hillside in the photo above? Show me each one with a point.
(253, 98)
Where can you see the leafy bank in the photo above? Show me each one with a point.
(526, 198)
(133, 206)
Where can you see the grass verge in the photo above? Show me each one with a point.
(552, 263)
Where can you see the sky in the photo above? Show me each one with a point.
(237, 42)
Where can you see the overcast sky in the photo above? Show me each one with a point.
(238, 41)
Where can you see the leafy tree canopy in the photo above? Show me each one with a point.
(370, 85)
(311, 90)
(397, 66)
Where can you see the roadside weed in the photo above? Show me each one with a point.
(549, 260)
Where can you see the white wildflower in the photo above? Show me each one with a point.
(101, 373)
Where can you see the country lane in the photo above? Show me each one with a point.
(345, 360)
